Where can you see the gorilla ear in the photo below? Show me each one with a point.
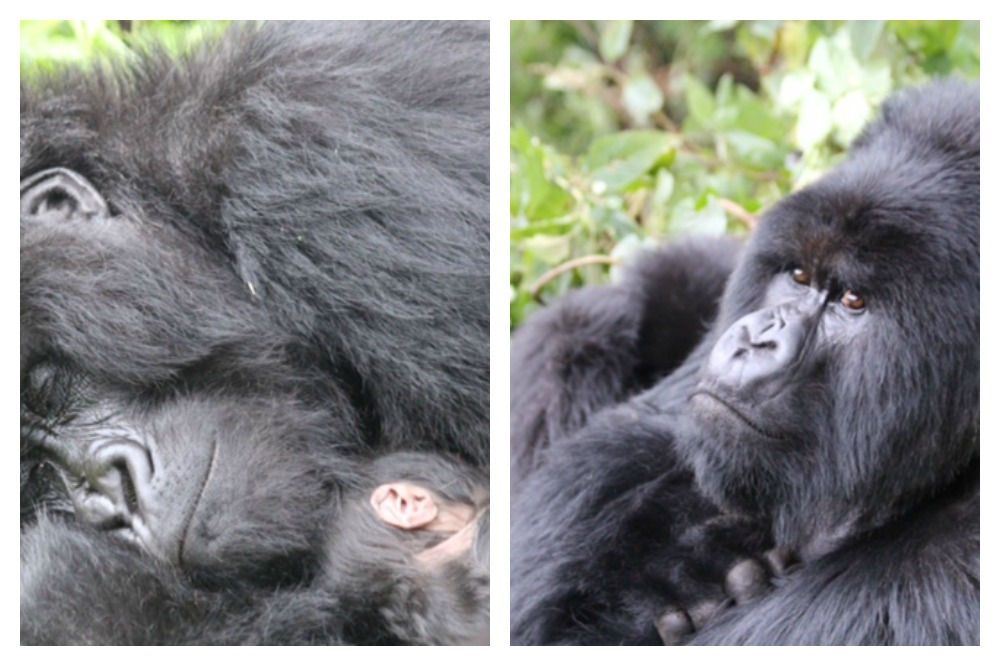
(404, 505)
(60, 195)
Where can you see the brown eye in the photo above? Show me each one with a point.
(801, 276)
(853, 301)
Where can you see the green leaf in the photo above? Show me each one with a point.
(642, 98)
(688, 218)
(614, 221)
(720, 25)
(663, 188)
(815, 120)
(655, 216)
(533, 194)
(837, 70)
(619, 160)
(753, 115)
(876, 81)
(700, 101)
(614, 39)
(755, 150)
(850, 113)
(522, 228)
(550, 250)
(793, 88)
(864, 37)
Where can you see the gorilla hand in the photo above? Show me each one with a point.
(748, 579)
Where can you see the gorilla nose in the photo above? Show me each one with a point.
(758, 347)
(113, 477)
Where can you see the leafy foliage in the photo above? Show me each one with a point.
(624, 133)
(49, 43)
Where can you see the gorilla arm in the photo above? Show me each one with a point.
(600, 345)
(610, 533)
(865, 593)
(629, 539)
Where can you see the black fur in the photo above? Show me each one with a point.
(369, 589)
(601, 345)
(291, 278)
(862, 459)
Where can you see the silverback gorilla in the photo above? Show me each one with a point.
(810, 474)
(246, 273)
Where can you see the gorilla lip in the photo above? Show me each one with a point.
(739, 414)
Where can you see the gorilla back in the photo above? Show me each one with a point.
(244, 271)
(836, 399)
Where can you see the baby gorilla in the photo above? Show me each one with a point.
(404, 561)
(410, 554)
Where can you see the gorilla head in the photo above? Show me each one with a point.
(412, 550)
(244, 272)
(843, 383)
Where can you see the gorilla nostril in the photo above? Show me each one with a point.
(128, 492)
(116, 472)
(93, 506)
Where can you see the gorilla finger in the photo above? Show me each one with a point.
(746, 580)
(781, 561)
(673, 625)
(704, 611)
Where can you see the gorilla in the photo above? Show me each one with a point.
(246, 272)
(410, 556)
(803, 471)
(406, 561)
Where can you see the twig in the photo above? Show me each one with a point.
(572, 264)
(739, 212)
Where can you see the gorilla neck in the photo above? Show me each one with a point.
(807, 511)
(810, 535)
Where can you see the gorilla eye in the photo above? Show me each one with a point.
(801, 276)
(853, 301)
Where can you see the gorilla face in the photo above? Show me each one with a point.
(172, 478)
(152, 431)
(849, 340)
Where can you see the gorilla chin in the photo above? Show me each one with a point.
(713, 409)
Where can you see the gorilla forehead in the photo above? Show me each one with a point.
(901, 213)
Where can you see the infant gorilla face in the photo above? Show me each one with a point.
(409, 553)
(410, 506)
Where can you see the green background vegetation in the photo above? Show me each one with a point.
(49, 43)
(625, 134)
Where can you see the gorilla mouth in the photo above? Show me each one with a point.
(740, 415)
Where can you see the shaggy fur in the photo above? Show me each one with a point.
(292, 279)
(369, 589)
(863, 459)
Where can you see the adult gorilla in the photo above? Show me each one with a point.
(243, 273)
(836, 400)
